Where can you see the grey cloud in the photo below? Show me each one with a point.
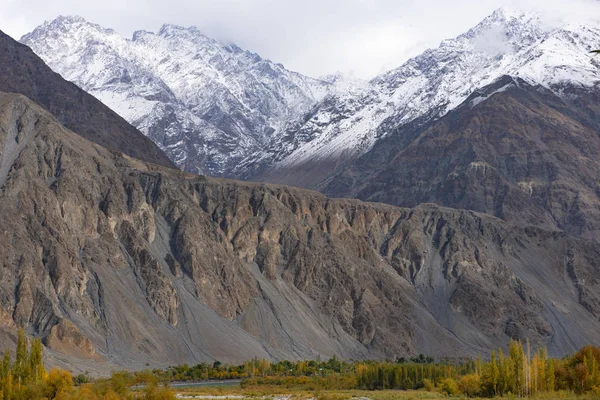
(315, 37)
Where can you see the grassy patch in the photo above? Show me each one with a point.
(296, 393)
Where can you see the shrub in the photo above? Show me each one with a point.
(80, 379)
(470, 385)
(428, 385)
(449, 386)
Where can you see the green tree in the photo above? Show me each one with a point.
(491, 375)
(517, 360)
(504, 377)
(550, 376)
(7, 386)
(5, 367)
(36, 365)
(21, 366)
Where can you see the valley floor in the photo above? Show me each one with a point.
(279, 393)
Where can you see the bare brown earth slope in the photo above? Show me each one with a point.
(21, 71)
(521, 153)
(114, 261)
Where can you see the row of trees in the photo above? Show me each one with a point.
(254, 369)
(527, 375)
(518, 373)
(380, 376)
(25, 378)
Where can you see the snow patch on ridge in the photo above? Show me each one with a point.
(481, 99)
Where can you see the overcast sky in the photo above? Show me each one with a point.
(315, 37)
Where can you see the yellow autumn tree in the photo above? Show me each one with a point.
(470, 385)
(58, 382)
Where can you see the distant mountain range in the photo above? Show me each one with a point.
(519, 152)
(508, 42)
(207, 105)
(218, 110)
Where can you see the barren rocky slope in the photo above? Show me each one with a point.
(21, 71)
(116, 261)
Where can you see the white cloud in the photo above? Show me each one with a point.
(315, 37)
(493, 41)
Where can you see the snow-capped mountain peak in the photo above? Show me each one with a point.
(72, 23)
(205, 103)
(222, 110)
(508, 42)
(67, 19)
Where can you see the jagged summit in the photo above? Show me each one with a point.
(192, 32)
(66, 19)
(206, 104)
(503, 32)
(70, 22)
(221, 110)
(507, 13)
(508, 42)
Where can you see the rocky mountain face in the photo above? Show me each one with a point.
(21, 71)
(207, 105)
(345, 126)
(115, 261)
(518, 152)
